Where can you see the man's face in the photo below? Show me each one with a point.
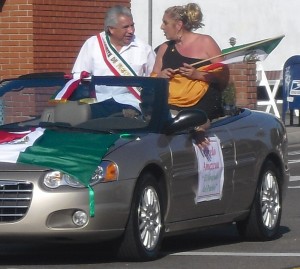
(122, 33)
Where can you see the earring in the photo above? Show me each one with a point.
(179, 36)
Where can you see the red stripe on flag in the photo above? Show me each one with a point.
(213, 66)
(10, 136)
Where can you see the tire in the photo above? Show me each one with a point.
(263, 221)
(144, 230)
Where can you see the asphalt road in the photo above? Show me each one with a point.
(218, 247)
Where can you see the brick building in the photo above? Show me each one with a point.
(46, 35)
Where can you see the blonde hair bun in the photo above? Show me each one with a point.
(194, 16)
(190, 14)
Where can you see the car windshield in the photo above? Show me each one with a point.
(55, 101)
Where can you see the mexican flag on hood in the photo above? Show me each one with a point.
(75, 153)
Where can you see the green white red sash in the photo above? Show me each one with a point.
(65, 93)
(116, 63)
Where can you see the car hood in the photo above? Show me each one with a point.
(60, 150)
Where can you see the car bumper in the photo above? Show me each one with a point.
(50, 211)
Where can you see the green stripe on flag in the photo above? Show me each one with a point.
(75, 153)
(266, 45)
(251, 51)
(255, 51)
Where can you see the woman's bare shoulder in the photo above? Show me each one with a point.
(205, 38)
(209, 45)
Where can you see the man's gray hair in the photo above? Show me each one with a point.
(111, 17)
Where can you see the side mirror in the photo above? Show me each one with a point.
(186, 120)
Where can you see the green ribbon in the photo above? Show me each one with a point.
(92, 201)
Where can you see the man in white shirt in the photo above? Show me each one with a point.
(115, 51)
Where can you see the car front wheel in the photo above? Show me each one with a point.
(264, 219)
(143, 234)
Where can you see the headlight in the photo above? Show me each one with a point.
(107, 171)
(54, 179)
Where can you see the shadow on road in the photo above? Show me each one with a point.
(62, 254)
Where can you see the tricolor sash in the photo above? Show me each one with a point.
(65, 93)
(116, 63)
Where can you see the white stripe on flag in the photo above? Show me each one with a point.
(10, 151)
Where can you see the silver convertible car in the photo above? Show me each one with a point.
(135, 176)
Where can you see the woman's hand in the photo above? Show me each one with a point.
(189, 71)
(199, 135)
(200, 139)
(166, 73)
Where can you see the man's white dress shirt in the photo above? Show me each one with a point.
(139, 55)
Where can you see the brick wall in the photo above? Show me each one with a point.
(243, 77)
(16, 43)
(61, 26)
(46, 35)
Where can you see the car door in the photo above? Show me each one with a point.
(248, 148)
(184, 177)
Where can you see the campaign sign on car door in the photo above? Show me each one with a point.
(210, 171)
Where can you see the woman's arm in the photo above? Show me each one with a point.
(158, 60)
(166, 73)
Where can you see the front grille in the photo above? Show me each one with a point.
(15, 198)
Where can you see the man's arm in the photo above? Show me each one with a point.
(83, 61)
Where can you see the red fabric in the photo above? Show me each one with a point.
(10, 136)
(213, 67)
